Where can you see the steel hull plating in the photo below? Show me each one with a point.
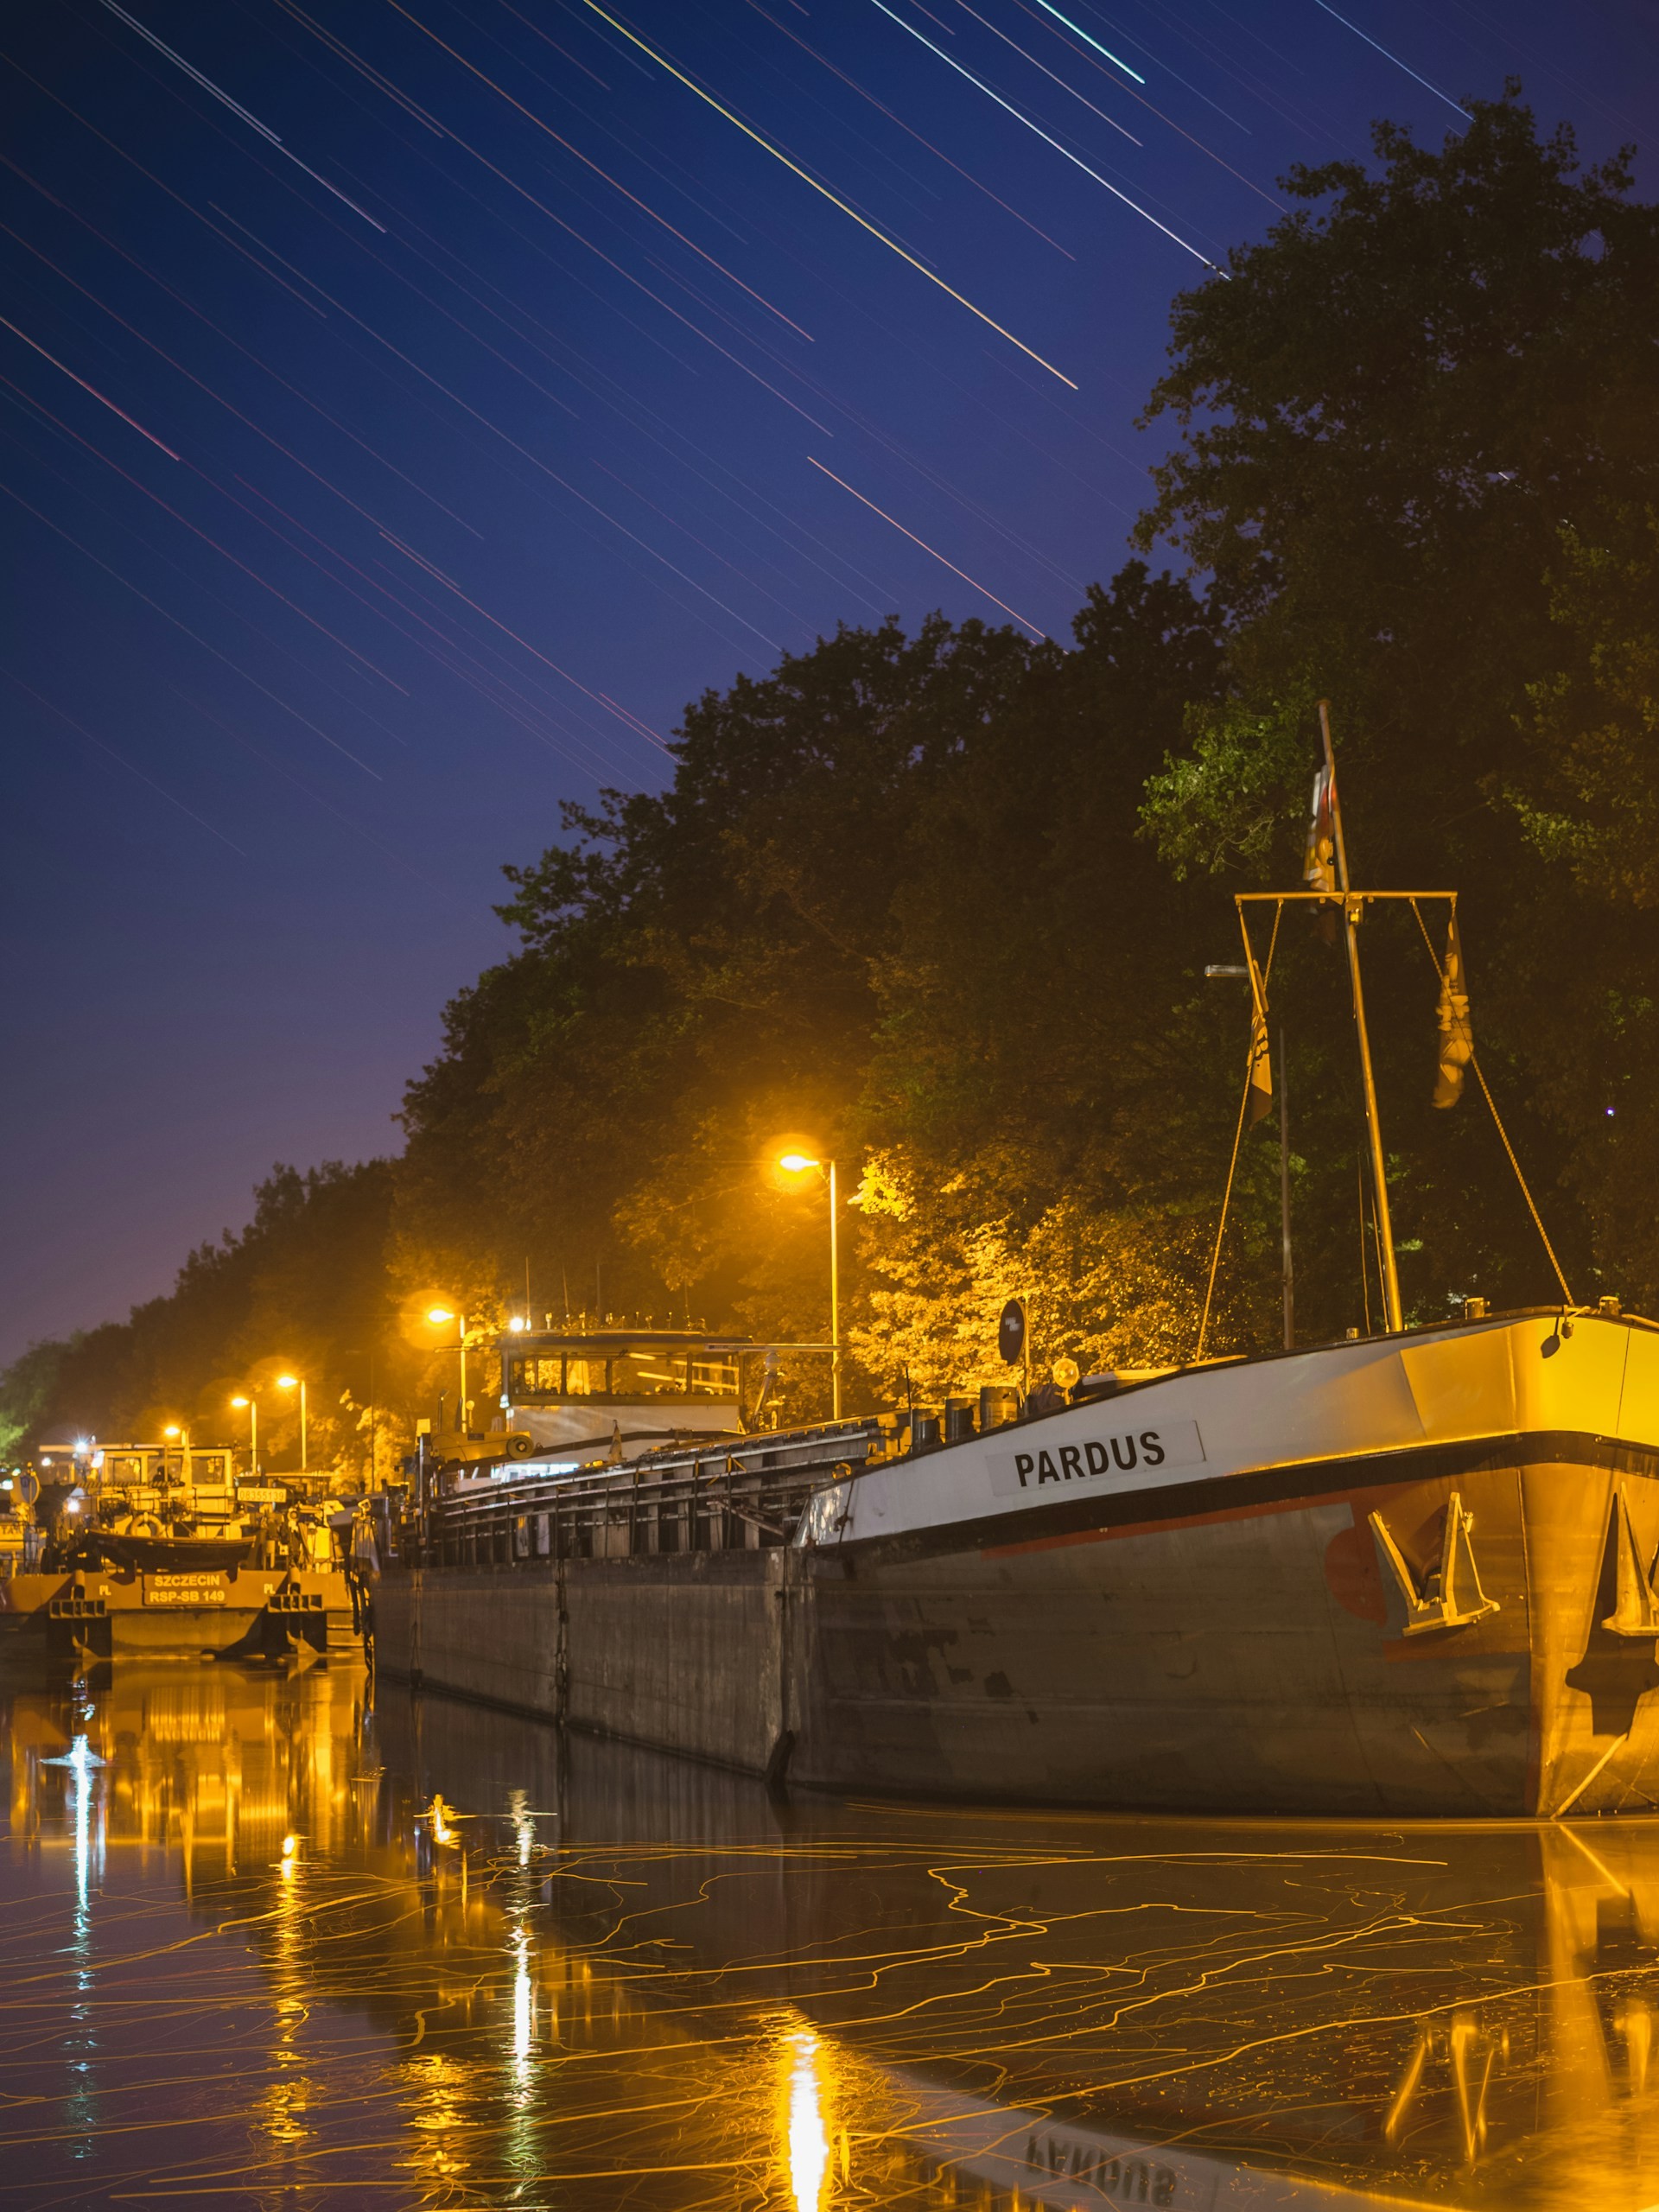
(1407, 1577)
(1248, 1660)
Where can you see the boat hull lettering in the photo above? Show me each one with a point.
(1087, 1458)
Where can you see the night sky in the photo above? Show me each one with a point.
(408, 409)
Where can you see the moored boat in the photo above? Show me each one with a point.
(158, 1554)
(1407, 1573)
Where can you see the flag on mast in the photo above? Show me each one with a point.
(1319, 859)
(1456, 1031)
(1260, 1051)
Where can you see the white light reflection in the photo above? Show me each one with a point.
(523, 2005)
(524, 1824)
(82, 1761)
(81, 2108)
(808, 2143)
(521, 2146)
(519, 2149)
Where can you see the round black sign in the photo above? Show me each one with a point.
(1011, 1333)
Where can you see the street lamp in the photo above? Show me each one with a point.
(437, 1315)
(252, 1405)
(296, 1383)
(797, 1163)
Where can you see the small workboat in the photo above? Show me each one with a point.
(155, 1563)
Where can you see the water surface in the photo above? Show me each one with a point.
(293, 1940)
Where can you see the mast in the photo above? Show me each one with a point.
(1351, 913)
(1285, 1270)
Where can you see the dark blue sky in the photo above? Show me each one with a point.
(477, 380)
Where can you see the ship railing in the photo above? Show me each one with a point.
(741, 1494)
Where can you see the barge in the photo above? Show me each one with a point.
(1409, 1572)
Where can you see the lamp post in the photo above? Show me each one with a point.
(438, 1315)
(797, 1163)
(296, 1383)
(252, 1405)
(176, 1439)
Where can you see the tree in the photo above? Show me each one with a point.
(1405, 416)
(304, 1285)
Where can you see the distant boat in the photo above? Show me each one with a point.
(159, 1555)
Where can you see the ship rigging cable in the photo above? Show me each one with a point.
(1497, 1122)
(1244, 1109)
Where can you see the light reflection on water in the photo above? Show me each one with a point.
(808, 2145)
(266, 1947)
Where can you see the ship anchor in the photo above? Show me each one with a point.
(1636, 1607)
(1451, 1595)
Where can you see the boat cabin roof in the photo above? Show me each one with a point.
(614, 1343)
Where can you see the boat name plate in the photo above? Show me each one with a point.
(1174, 1444)
(193, 1589)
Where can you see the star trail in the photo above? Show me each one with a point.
(408, 409)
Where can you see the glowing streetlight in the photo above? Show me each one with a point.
(252, 1405)
(296, 1383)
(437, 1315)
(799, 1163)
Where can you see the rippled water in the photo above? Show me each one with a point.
(289, 1941)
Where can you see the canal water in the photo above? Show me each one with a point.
(295, 1941)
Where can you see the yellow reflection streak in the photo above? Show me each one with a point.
(809, 2141)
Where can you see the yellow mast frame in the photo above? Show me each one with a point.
(1351, 904)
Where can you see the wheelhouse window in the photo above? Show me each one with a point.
(630, 1371)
